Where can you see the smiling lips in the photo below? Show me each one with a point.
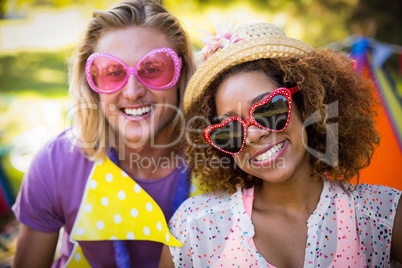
(138, 111)
(270, 153)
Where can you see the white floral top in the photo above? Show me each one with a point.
(346, 229)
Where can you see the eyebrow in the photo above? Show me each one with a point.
(252, 102)
(259, 98)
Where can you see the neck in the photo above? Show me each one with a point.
(149, 161)
(295, 198)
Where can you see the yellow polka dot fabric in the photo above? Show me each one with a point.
(78, 260)
(195, 188)
(117, 208)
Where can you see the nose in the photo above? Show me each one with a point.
(255, 134)
(133, 89)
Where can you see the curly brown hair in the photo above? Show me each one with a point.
(323, 77)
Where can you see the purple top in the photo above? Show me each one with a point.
(51, 193)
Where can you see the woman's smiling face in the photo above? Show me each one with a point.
(271, 156)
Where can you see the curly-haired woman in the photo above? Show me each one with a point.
(289, 127)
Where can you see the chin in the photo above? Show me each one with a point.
(273, 175)
(137, 139)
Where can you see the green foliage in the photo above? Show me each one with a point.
(26, 79)
(14, 176)
(44, 73)
(385, 18)
(315, 22)
(6, 5)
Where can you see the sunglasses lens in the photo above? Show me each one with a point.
(107, 74)
(229, 138)
(157, 70)
(273, 114)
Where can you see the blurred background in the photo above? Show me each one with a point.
(38, 38)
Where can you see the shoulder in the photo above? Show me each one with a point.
(53, 185)
(59, 153)
(61, 144)
(58, 165)
(206, 208)
(376, 201)
(367, 193)
(376, 211)
(197, 206)
(203, 224)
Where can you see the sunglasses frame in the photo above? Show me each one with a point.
(177, 61)
(283, 91)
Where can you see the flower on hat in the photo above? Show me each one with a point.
(226, 35)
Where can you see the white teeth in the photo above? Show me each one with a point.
(270, 153)
(139, 111)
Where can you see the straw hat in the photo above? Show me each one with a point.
(247, 43)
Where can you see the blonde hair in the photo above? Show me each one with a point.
(89, 120)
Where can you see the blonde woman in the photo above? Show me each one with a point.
(112, 179)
